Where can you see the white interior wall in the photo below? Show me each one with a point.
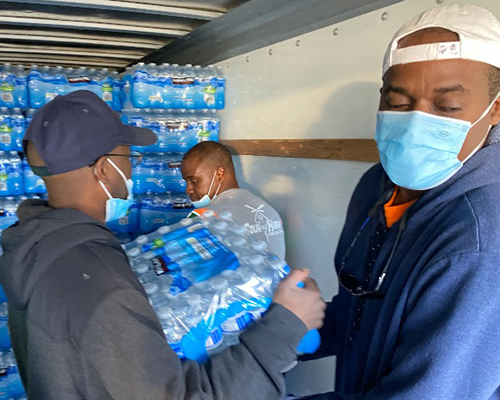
(320, 85)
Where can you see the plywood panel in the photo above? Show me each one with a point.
(326, 149)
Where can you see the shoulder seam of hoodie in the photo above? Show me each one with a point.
(478, 236)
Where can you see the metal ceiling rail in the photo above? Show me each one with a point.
(130, 6)
(27, 37)
(105, 25)
(87, 62)
(75, 51)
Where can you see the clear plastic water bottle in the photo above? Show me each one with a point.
(4, 167)
(4, 329)
(48, 86)
(173, 332)
(18, 129)
(6, 139)
(15, 175)
(60, 81)
(235, 302)
(209, 88)
(156, 296)
(35, 90)
(7, 85)
(220, 100)
(20, 92)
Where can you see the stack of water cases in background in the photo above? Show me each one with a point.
(11, 387)
(178, 103)
(17, 181)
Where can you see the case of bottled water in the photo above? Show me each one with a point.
(12, 129)
(158, 173)
(157, 210)
(11, 174)
(46, 83)
(13, 86)
(177, 130)
(207, 279)
(11, 386)
(174, 86)
(32, 182)
(129, 223)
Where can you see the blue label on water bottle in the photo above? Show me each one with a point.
(214, 340)
(179, 349)
(237, 323)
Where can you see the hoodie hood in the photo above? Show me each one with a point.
(41, 236)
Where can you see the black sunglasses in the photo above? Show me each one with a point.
(352, 284)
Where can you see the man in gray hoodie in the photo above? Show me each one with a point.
(211, 184)
(81, 324)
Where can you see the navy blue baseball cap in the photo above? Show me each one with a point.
(74, 130)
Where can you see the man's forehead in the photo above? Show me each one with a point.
(193, 165)
(461, 76)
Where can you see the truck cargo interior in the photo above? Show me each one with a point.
(302, 88)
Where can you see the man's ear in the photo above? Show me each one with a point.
(102, 170)
(495, 115)
(221, 173)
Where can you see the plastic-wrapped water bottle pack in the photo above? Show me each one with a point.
(13, 86)
(207, 279)
(12, 129)
(157, 210)
(151, 211)
(46, 83)
(177, 131)
(173, 86)
(158, 173)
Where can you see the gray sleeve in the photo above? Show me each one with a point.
(125, 356)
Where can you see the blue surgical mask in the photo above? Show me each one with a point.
(205, 200)
(117, 208)
(418, 150)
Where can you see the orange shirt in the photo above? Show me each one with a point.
(394, 213)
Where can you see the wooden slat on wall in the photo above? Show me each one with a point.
(326, 149)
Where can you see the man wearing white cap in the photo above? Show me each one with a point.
(418, 312)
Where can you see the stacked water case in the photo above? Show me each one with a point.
(178, 103)
(208, 280)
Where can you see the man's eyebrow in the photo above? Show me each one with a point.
(395, 89)
(448, 89)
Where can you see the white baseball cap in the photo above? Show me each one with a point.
(477, 28)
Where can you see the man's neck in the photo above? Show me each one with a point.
(95, 211)
(230, 184)
(404, 196)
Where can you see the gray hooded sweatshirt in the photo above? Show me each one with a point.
(82, 327)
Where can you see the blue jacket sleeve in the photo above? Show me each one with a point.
(449, 341)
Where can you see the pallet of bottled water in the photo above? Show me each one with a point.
(173, 86)
(45, 83)
(207, 279)
(177, 130)
(13, 86)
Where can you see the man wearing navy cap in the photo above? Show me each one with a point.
(81, 324)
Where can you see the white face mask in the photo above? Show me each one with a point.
(117, 208)
(205, 200)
